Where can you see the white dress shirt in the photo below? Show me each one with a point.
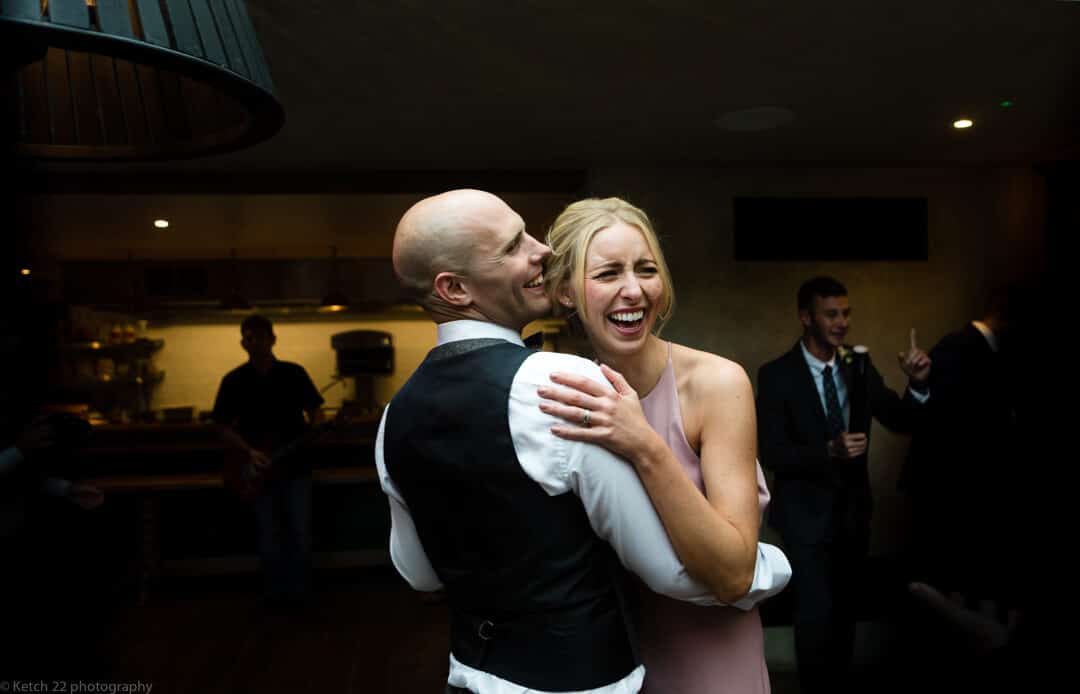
(615, 501)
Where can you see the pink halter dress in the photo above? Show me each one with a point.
(689, 649)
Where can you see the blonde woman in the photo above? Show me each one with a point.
(685, 420)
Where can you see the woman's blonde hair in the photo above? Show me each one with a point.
(569, 238)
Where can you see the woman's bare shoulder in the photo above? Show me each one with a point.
(707, 374)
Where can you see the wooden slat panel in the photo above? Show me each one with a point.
(21, 9)
(84, 95)
(131, 96)
(11, 121)
(174, 108)
(201, 105)
(114, 17)
(228, 37)
(153, 25)
(35, 102)
(204, 20)
(60, 106)
(114, 120)
(233, 112)
(153, 105)
(243, 20)
(70, 12)
(246, 41)
(183, 26)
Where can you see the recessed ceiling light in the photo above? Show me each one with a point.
(161, 223)
(755, 119)
(963, 123)
(25, 271)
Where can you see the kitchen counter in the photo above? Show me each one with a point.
(163, 482)
(120, 450)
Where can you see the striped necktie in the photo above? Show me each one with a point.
(832, 404)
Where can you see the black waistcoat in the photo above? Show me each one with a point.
(531, 588)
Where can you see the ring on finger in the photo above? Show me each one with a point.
(585, 417)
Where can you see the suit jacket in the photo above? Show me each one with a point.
(815, 496)
(967, 436)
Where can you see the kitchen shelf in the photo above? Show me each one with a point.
(85, 384)
(141, 348)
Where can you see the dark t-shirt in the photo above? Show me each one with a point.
(266, 410)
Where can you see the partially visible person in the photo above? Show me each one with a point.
(39, 637)
(265, 407)
(520, 527)
(960, 470)
(18, 467)
(814, 408)
(684, 419)
(980, 523)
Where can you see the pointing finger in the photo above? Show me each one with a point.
(913, 345)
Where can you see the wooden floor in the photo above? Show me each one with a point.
(365, 633)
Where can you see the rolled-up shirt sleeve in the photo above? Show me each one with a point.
(406, 551)
(618, 507)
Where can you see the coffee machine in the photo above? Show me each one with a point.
(362, 357)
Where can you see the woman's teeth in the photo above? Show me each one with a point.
(535, 281)
(628, 316)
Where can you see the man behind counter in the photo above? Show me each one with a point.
(263, 406)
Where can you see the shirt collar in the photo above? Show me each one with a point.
(813, 362)
(455, 330)
(991, 338)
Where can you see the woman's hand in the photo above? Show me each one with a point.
(608, 416)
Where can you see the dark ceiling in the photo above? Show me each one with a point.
(407, 85)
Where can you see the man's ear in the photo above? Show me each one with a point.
(450, 288)
(804, 318)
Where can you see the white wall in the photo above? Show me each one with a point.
(985, 226)
(196, 357)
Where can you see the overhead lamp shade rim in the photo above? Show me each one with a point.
(239, 76)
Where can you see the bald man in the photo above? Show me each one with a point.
(517, 525)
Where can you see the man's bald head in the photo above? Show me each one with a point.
(437, 234)
(465, 255)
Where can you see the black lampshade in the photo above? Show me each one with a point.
(133, 79)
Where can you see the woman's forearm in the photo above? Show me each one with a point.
(710, 544)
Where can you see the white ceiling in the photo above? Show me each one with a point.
(554, 84)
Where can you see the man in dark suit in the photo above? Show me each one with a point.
(814, 407)
(979, 508)
(958, 474)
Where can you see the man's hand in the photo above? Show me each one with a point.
(257, 458)
(915, 363)
(85, 496)
(847, 446)
(982, 629)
